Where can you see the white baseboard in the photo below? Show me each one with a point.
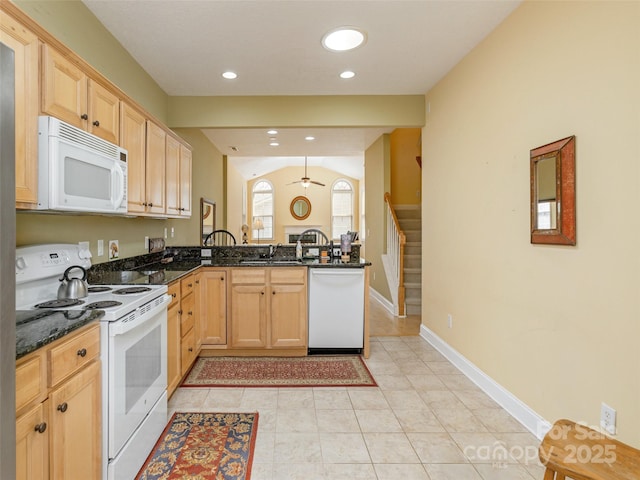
(382, 300)
(521, 412)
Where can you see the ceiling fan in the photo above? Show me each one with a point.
(306, 181)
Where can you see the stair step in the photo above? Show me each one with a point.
(413, 309)
(408, 211)
(413, 261)
(410, 223)
(413, 235)
(413, 248)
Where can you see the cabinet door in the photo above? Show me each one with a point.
(187, 315)
(288, 316)
(155, 168)
(133, 127)
(25, 45)
(173, 176)
(104, 113)
(173, 348)
(64, 88)
(248, 316)
(32, 444)
(212, 313)
(185, 181)
(188, 351)
(74, 412)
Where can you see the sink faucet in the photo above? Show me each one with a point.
(273, 249)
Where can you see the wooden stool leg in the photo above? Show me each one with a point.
(549, 474)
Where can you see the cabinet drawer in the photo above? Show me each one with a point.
(249, 275)
(296, 276)
(186, 285)
(174, 293)
(187, 318)
(31, 380)
(71, 355)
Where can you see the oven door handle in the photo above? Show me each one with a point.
(123, 326)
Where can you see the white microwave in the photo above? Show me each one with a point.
(78, 171)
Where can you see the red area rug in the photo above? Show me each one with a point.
(215, 446)
(312, 371)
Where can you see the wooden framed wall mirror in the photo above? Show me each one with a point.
(207, 218)
(553, 193)
(300, 208)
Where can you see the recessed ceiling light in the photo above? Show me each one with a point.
(230, 75)
(343, 39)
(309, 138)
(272, 132)
(347, 74)
(274, 144)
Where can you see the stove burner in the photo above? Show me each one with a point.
(103, 304)
(130, 290)
(98, 289)
(66, 302)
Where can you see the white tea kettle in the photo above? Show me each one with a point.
(73, 288)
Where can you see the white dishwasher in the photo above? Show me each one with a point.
(336, 309)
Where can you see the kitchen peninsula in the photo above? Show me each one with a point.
(239, 300)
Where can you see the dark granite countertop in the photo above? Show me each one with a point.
(160, 272)
(37, 328)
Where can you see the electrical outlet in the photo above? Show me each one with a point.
(100, 248)
(450, 320)
(165, 232)
(336, 251)
(172, 232)
(608, 419)
(146, 244)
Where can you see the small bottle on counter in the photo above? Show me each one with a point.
(299, 250)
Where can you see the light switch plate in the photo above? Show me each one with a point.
(313, 252)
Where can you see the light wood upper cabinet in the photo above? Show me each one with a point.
(70, 95)
(185, 181)
(133, 137)
(25, 45)
(173, 176)
(155, 169)
(178, 178)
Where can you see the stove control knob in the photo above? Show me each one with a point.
(21, 263)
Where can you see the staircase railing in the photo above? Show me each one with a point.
(396, 240)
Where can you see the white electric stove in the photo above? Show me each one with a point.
(133, 343)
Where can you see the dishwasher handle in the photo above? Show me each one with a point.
(332, 272)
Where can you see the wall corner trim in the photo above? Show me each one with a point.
(533, 422)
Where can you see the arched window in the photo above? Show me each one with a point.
(341, 208)
(262, 210)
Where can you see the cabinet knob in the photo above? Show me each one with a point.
(63, 407)
(84, 116)
(82, 352)
(190, 285)
(144, 204)
(261, 293)
(189, 312)
(174, 295)
(180, 312)
(150, 204)
(191, 349)
(96, 123)
(273, 293)
(197, 282)
(222, 279)
(41, 427)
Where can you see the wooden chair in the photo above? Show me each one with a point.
(578, 452)
(220, 237)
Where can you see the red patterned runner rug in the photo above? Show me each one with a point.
(312, 371)
(215, 446)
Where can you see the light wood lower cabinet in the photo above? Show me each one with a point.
(174, 338)
(32, 443)
(268, 308)
(76, 426)
(58, 409)
(211, 306)
(189, 351)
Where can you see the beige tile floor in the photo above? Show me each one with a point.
(424, 421)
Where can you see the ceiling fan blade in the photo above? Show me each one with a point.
(292, 183)
(317, 183)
